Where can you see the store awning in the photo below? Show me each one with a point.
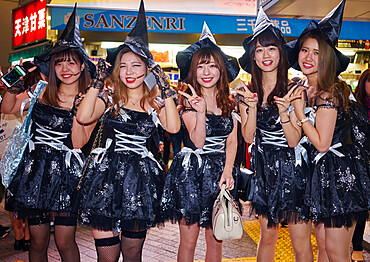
(29, 51)
(118, 20)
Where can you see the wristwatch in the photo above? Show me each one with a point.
(300, 122)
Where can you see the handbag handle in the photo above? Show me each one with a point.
(39, 87)
(228, 210)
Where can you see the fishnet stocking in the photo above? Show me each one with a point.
(40, 237)
(66, 243)
(107, 252)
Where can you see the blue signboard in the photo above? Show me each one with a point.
(123, 21)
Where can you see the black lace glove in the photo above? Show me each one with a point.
(162, 82)
(101, 75)
(17, 88)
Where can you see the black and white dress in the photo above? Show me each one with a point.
(50, 168)
(124, 182)
(340, 178)
(281, 182)
(191, 185)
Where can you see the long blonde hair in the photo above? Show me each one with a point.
(120, 90)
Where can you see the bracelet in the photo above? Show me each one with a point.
(285, 121)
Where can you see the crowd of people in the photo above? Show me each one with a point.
(96, 131)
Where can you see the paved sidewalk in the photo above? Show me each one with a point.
(160, 245)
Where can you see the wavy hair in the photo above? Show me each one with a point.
(224, 101)
(360, 91)
(120, 90)
(268, 38)
(51, 91)
(327, 79)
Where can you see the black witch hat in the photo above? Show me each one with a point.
(206, 40)
(136, 40)
(263, 23)
(70, 38)
(329, 27)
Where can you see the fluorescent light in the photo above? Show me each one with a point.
(110, 44)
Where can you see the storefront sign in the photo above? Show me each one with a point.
(29, 23)
(123, 21)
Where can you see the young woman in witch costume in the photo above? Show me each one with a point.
(51, 167)
(207, 160)
(280, 184)
(123, 184)
(340, 193)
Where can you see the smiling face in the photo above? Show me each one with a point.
(208, 73)
(132, 70)
(68, 71)
(267, 57)
(308, 58)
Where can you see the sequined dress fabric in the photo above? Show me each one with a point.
(50, 168)
(123, 183)
(340, 178)
(281, 187)
(191, 185)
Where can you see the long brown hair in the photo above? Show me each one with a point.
(327, 79)
(268, 38)
(360, 91)
(120, 90)
(51, 92)
(224, 101)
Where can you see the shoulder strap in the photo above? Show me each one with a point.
(39, 87)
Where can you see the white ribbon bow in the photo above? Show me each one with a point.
(332, 149)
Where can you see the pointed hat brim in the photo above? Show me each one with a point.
(136, 40)
(70, 38)
(183, 58)
(329, 27)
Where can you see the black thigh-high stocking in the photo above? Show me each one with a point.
(40, 237)
(132, 245)
(108, 249)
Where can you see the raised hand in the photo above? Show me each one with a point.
(18, 87)
(249, 99)
(283, 103)
(162, 82)
(297, 97)
(196, 102)
(101, 74)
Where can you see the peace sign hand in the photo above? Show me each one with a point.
(297, 97)
(196, 102)
(249, 99)
(283, 103)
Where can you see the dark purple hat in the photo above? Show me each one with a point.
(329, 27)
(206, 40)
(70, 38)
(136, 40)
(263, 24)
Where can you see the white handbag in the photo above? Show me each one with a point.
(226, 219)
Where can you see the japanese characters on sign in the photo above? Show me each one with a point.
(29, 23)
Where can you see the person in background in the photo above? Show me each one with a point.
(22, 236)
(362, 94)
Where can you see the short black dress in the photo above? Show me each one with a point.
(280, 190)
(340, 179)
(191, 185)
(50, 168)
(123, 184)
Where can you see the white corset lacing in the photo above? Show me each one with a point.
(54, 139)
(125, 142)
(213, 144)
